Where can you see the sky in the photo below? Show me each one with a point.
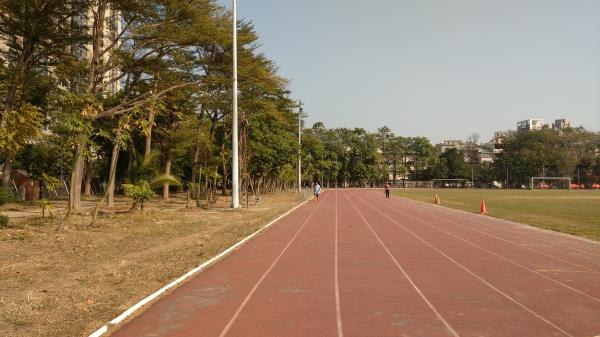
(435, 68)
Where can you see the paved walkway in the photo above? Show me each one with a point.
(357, 264)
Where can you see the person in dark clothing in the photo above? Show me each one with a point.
(386, 186)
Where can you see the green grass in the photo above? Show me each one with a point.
(572, 212)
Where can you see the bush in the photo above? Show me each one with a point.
(140, 193)
(5, 197)
(4, 221)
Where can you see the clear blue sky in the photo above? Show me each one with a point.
(435, 68)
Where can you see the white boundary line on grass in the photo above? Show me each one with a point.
(104, 329)
(521, 224)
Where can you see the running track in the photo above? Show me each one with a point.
(357, 264)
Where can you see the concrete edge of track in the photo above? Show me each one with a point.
(567, 235)
(136, 307)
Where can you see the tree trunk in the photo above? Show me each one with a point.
(148, 135)
(196, 157)
(88, 178)
(110, 192)
(97, 46)
(7, 170)
(77, 177)
(167, 172)
(225, 176)
(16, 82)
(112, 174)
(9, 102)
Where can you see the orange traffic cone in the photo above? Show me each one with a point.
(483, 210)
(436, 200)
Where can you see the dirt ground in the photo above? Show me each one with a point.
(69, 283)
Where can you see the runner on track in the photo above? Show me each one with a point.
(317, 190)
(386, 186)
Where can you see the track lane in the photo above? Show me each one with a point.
(296, 295)
(203, 305)
(575, 276)
(378, 297)
(472, 305)
(569, 312)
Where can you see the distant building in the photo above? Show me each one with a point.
(112, 31)
(499, 140)
(487, 153)
(473, 153)
(450, 144)
(532, 124)
(561, 124)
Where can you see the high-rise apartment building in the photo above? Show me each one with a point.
(112, 30)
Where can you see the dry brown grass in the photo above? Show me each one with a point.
(70, 283)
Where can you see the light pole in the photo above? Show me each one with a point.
(235, 190)
(300, 112)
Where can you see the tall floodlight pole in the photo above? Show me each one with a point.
(300, 111)
(235, 190)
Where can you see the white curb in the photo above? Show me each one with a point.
(135, 307)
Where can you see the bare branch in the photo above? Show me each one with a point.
(139, 101)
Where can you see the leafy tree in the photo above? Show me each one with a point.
(454, 162)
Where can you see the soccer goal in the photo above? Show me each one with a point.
(547, 183)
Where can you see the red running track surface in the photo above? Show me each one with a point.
(357, 264)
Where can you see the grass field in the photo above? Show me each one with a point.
(572, 212)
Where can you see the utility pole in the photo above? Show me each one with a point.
(300, 112)
(507, 177)
(235, 189)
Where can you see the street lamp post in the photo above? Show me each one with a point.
(235, 190)
(300, 111)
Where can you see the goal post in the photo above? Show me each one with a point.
(546, 183)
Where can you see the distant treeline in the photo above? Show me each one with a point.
(354, 157)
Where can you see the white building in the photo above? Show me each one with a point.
(532, 124)
(450, 144)
(112, 29)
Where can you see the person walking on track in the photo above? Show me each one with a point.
(317, 190)
(386, 186)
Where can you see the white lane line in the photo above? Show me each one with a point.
(516, 244)
(496, 255)
(338, 310)
(104, 329)
(412, 283)
(532, 235)
(258, 283)
(505, 295)
(436, 209)
(475, 219)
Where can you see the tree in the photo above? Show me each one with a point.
(385, 139)
(155, 34)
(454, 162)
(38, 34)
